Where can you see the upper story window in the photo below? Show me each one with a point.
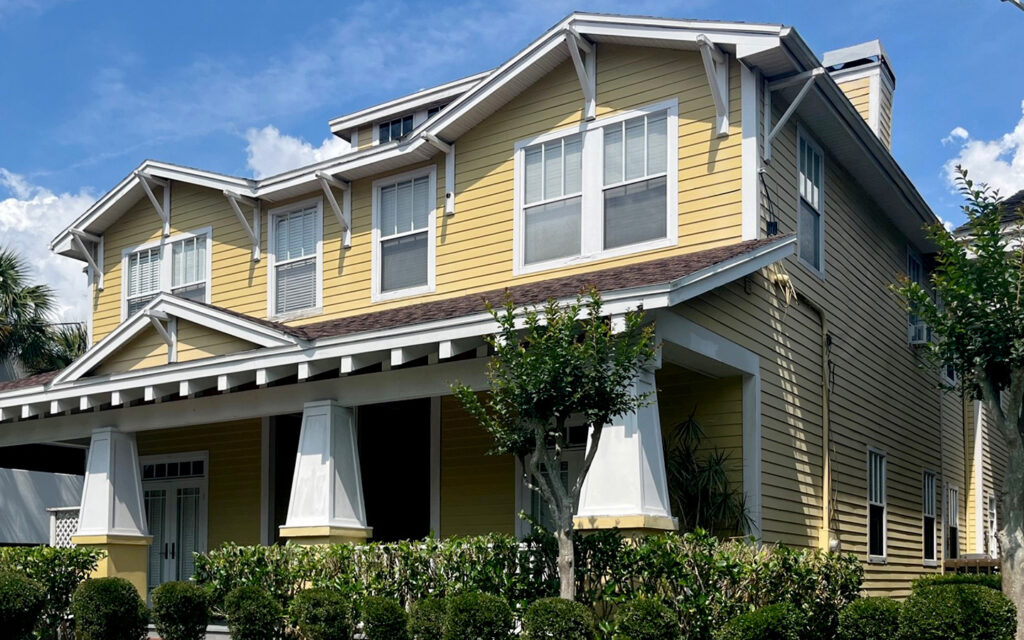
(394, 129)
(403, 229)
(811, 222)
(179, 264)
(295, 255)
(876, 505)
(432, 110)
(599, 191)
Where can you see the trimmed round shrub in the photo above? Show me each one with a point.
(477, 616)
(21, 604)
(558, 618)
(181, 611)
(384, 619)
(781, 621)
(109, 609)
(426, 618)
(253, 614)
(322, 614)
(870, 619)
(961, 611)
(646, 619)
(992, 581)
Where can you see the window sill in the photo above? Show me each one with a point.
(815, 271)
(650, 245)
(296, 315)
(878, 559)
(398, 294)
(931, 564)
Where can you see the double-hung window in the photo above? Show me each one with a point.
(876, 505)
(952, 541)
(811, 222)
(403, 215)
(394, 129)
(179, 264)
(295, 274)
(993, 527)
(602, 189)
(928, 516)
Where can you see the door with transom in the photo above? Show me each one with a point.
(175, 495)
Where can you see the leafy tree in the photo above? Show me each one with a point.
(977, 318)
(551, 364)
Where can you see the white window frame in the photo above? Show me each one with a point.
(874, 558)
(802, 135)
(992, 523)
(284, 210)
(934, 515)
(203, 481)
(946, 510)
(165, 244)
(592, 192)
(431, 173)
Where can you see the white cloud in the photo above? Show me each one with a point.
(270, 152)
(958, 133)
(29, 217)
(998, 162)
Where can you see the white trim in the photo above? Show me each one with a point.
(948, 487)
(874, 101)
(751, 159)
(285, 210)
(592, 189)
(934, 561)
(430, 172)
(802, 134)
(435, 466)
(166, 244)
(979, 476)
(875, 558)
(203, 513)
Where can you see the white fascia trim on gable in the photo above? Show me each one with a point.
(166, 305)
(750, 81)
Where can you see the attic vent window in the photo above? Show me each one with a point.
(395, 129)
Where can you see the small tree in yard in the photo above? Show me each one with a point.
(978, 320)
(551, 364)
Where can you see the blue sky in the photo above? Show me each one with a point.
(89, 90)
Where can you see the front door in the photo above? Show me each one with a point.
(174, 490)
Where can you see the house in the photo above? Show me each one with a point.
(272, 359)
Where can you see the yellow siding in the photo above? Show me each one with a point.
(477, 490)
(366, 136)
(195, 342)
(234, 474)
(859, 93)
(147, 349)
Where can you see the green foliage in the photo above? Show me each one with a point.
(21, 603)
(477, 616)
(384, 619)
(990, 580)
(870, 619)
(961, 611)
(780, 621)
(253, 613)
(558, 618)
(321, 614)
(281, 570)
(646, 619)
(698, 486)
(426, 618)
(181, 611)
(59, 571)
(109, 609)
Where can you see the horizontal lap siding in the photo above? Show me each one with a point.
(195, 342)
(859, 93)
(234, 473)
(148, 349)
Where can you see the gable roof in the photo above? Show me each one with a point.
(1013, 211)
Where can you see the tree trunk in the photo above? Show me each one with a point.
(566, 562)
(1011, 534)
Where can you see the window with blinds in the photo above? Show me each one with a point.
(143, 279)
(952, 518)
(296, 250)
(811, 178)
(876, 504)
(178, 265)
(928, 515)
(553, 204)
(635, 180)
(404, 215)
(188, 268)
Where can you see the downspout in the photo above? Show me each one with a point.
(828, 536)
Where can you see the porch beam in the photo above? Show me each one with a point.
(451, 348)
(229, 381)
(191, 387)
(31, 410)
(163, 209)
(268, 375)
(716, 68)
(314, 368)
(405, 355)
(87, 402)
(124, 397)
(156, 392)
(60, 406)
(342, 212)
(362, 360)
(253, 230)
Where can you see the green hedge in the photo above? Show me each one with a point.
(960, 611)
(321, 614)
(870, 619)
(645, 619)
(992, 581)
(559, 619)
(253, 614)
(59, 571)
(21, 603)
(109, 609)
(779, 621)
(181, 611)
(426, 618)
(384, 619)
(477, 616)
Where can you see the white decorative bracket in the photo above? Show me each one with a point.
(112, 492)
(586, 70)
(807, 78)
(448, 149)
(163, 208)
(93, 255)
(716, 67)
(343, 212)
(253, 230)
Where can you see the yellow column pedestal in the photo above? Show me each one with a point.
(309, 536)
(628, 525)
(126, 557)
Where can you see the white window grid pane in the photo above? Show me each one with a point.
(876, 478)
(295, 235)
(929, 495)
(810, 180)
(952, 506)
(553, 170)
(404, 207)
(143, 278)
(188, 262)
(641, 145)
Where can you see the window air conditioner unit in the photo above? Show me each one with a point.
(919, 333)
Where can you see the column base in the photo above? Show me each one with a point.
(639, 524)
(126, 557)
(326, 535)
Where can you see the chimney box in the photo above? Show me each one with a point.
(865, 75)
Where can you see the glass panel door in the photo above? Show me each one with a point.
(156, 515)
(188, 534)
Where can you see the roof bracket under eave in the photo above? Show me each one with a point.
(343, 212)
(252, 230)
(163, 208)
(448, 149)
(716, 67)
(808, 78)
(155, 320)
(93, 255)
(586, 70)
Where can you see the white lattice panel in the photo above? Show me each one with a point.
(63, 524)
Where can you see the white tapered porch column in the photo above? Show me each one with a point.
(112, 516)
(627, 487)
(326, 503)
